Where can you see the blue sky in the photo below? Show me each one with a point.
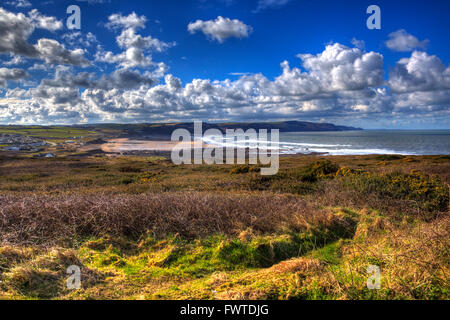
(190, 65)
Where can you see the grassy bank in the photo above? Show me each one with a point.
(142, 228)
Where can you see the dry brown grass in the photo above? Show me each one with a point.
(86, 213)
(41, 273)
(298, 265)
(414, 259)
(51, 219)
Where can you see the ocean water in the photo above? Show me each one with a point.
(404, 142)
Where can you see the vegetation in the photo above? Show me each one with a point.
(51, 132)
(143, 228)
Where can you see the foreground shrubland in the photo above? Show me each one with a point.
(205, 232)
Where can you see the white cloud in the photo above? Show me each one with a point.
(401, 40)
(15, 60)
(14, 32)
(130, 58)
(78, 38)
(129, 39)
(15, 29)
(420, 72)
(17, 93)
(38, 66)
(52, 52)
(133, 21)
(360, 107)
(136, 47)
(344, 83)
(337, 68)
(11, 74)
(221, 28)
(44, 22)
(336, 82)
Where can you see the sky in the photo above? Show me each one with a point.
(226, 60)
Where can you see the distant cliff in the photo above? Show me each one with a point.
(166, 129)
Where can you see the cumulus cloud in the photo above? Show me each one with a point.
(17, 93)
(55, 53)
(14, 32)
(337, 81)
(401, 40)
(11, 74)
(337, 68)
(340, 82)
(15, 29)
(123, 79)
(118, 21)
(132, 57)
(137, 48)
(44, 22)
(221, 28)
(420, 72)
(129, 39)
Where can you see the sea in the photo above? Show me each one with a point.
(361, 142)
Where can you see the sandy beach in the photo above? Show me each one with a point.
(125, 144)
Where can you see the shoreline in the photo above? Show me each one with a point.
(136, 146)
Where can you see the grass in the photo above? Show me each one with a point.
(142, 228)
(413, 264)
(46, 132)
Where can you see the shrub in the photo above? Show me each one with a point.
(54, 219)
(318, 170)
(244, 169)
(427, 193)
(389, 157)
(129, 169)
(297, 181)
(346, 171)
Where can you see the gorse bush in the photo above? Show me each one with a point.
(316, 171)
(427, 193)
(389, 157)
(297, 181)
(244, 169)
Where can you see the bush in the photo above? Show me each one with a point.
(56, 219)
(318, 170)
(244, 169)
(129, 169)
(427, 193)
(389, 157)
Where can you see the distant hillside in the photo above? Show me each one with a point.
(166, 129)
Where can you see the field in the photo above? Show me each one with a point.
(51, 133)
(143, 228)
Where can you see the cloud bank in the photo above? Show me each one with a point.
(341, 83)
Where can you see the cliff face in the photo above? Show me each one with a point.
(286, 126)
(166, 129)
